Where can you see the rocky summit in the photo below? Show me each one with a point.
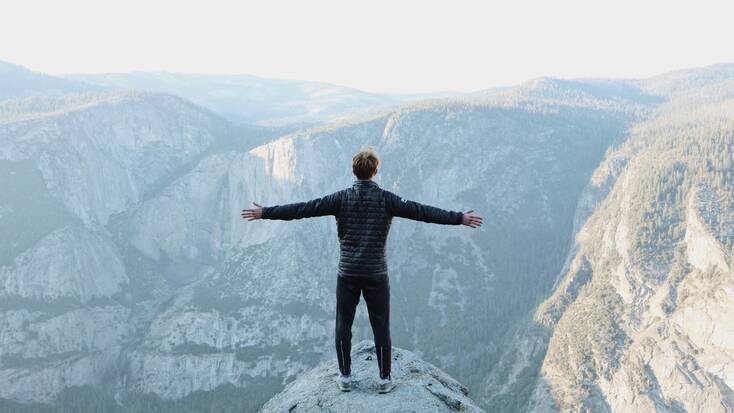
(421, 387)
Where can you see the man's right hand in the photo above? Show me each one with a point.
(471, 220)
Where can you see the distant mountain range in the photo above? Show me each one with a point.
(243, 99)
(601, 280)
(256, 100)
(19, 82)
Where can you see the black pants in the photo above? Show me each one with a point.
(376, 292)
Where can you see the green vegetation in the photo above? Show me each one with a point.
(15, 362)
(226, 398)
(27, 208)
(679, 160)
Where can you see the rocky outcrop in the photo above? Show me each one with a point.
(421, 387)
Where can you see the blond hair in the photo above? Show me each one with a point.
(365, 163)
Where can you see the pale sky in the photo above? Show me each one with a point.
(374, 45)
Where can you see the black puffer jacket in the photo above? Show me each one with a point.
(363, 216)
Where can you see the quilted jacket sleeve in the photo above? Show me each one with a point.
(404, 208)
(327, 205)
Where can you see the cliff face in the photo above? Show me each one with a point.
(421, 387)
(639, 319)
(101, 154)
(71, 300)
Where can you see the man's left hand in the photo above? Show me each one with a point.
(253, 213)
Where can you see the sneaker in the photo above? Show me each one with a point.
(344, 382)
(385, 386)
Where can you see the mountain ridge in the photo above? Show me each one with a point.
(254, 99)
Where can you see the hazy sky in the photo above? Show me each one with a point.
(375, 45)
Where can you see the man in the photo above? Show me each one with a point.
(363, 216)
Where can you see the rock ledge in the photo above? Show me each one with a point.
(421, 387)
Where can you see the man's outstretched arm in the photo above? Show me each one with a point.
(405, 208)
(327, 205)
